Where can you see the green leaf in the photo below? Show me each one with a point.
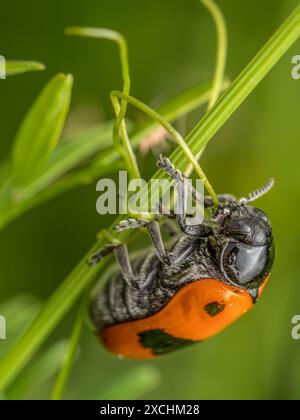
(69, 154)
(14, 67)
(133, 385)
(40, 130)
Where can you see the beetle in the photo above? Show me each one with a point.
(212, 274)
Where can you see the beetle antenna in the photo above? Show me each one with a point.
(255, 195)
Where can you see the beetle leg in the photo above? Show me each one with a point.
(107, 250)
(153, 230)
(99, 255)
(200, 230)
(155, 234)
(121, 253)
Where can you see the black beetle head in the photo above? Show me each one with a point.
(247, 249)
(243, 223)
(244, 239)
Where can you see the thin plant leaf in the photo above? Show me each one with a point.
(82, 276)
(14, 67)
(40, 130)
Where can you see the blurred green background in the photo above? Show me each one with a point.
(172, 47)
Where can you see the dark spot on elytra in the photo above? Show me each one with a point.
(214, 308)
(161, 342)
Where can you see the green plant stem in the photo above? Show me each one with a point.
(128, 154)
(221, 58)
(120, 125)
(65, 371)
(82, 276)
(174, 133)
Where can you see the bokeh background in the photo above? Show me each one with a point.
(172, 47)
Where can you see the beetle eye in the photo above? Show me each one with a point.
(243, 265)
